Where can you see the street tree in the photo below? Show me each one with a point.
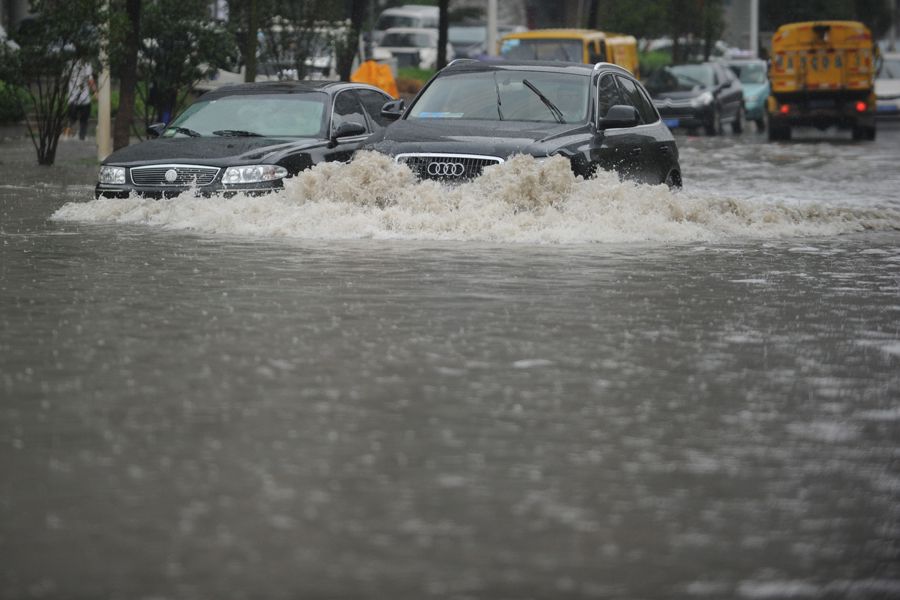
(179, 46)
(62, 35)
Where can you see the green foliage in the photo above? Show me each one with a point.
(651, 61)
(62, 34)
(179, 46)
(12, 103)
(422, 75)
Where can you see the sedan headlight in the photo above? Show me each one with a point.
(253, 174)
(113, 175)
(703, 99)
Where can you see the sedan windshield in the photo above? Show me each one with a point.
(506, 96)
(270, 115)
(890, 69)
(680, 78)
(749, 72)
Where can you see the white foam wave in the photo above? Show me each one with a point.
(518, 201)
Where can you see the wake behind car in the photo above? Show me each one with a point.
(247, 138)
(474, 114)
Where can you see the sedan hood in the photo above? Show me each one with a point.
(490, 138)
(212, 151)
(751, 90)
(679, 95)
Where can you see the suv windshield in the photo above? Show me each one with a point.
(507, 96)
(272, 115)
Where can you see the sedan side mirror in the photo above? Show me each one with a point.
(347, 129)
(620, 115)
(156, 129)
(393, 110)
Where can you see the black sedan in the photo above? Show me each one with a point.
(705, 95)
(247, 138)
(475, 114)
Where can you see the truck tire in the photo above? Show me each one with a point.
(863, 133)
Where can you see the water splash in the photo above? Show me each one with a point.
(520, 201)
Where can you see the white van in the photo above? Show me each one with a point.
(415, 16)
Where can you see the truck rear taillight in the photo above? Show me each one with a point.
(785, 109)
(861, 106)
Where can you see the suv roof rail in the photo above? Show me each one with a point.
(601, 65)
(459, 60)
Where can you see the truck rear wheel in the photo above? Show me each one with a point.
(861, 132)
(779, 132)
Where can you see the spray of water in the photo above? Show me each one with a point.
(519, 201)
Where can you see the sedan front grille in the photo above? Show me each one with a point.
(173, 175)
(448, 167)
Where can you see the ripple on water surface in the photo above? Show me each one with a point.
(518, 201)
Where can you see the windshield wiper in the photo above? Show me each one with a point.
(236, 133)
(553, 108)
(185, 131)
(497, 87)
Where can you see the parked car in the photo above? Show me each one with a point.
(755, 83)
(413, 47)
(706, 95)
(887, 86)
(475, 114)
(416, 16)
(246, 138)
(469, 40)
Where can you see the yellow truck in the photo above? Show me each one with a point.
(572, 45)
(822, 75)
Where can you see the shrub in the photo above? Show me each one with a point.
(11, 102)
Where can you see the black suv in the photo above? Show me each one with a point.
(475, 114)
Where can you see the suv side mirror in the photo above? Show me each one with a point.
(347, 129)
(156, 129)
(393, 110)
(620, 115)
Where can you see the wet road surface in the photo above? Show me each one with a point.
(590, 390)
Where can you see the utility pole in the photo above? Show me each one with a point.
(754, 28)
(104, 106)
(492, 28)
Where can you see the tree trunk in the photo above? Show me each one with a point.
(442, 33)
(128, 77)
(250, 41)
(358, 10)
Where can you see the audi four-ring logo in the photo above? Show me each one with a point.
(446, 169)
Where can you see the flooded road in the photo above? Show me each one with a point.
(529, 387)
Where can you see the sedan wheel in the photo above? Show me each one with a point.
(714, 126)
(737, 126)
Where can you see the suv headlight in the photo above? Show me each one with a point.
(253, 174)
(702, 100)
(113, 175)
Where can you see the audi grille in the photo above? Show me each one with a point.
(444, 167)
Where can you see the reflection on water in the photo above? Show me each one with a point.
(208, 400)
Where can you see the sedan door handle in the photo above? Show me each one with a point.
(634, 152)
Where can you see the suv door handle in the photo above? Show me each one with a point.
(634, 151)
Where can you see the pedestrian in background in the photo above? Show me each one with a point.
(81, 89)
